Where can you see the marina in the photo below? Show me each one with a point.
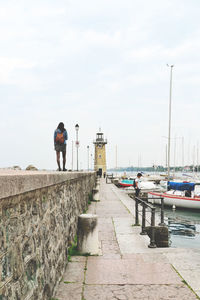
(182, 218)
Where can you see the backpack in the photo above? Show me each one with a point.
(134, 183)
(60, 138)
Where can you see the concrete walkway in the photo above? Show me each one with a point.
(127, 268)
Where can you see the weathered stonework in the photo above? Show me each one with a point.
(36, 229)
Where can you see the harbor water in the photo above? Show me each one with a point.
(184, 227)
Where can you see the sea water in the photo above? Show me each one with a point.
(184, 227)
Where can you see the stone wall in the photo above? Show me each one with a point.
(38, 223)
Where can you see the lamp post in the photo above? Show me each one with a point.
(88, 148)
(91, 161)
(72, 154)
(77, 142)
(169, 132)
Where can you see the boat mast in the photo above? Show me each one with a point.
(169, 132)
(193, 168)
(182, 153)
(197, 156)
(174, 155)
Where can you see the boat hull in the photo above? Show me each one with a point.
(178, 201)
(126, 183)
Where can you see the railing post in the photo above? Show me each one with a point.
(152, 239)
(106, 178)
(162, 223)
(143, 232)
(136, 212)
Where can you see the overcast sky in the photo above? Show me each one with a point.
(99, 63)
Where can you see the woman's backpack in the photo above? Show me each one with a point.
(60, 138)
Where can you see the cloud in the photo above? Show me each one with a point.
(98, 63)
(10, 65)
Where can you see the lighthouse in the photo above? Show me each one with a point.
(100, 153)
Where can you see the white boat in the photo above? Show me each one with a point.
(178, 198)
(146, 186)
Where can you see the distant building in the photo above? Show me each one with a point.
(100, 153)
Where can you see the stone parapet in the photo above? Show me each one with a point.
(14, 182)
(38, 222)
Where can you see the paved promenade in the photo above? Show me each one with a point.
(127, 269)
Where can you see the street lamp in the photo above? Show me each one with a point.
(91, 161)
(72, 154)
(77, 142)
(88, 156)
(169, 132)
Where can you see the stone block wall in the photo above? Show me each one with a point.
(36, 228)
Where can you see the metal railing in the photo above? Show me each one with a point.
(145, 206)
(109, 178)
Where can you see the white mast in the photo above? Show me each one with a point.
(183, 152)
(174, 154)
(193, 159)
(169, 132)
(197, 155)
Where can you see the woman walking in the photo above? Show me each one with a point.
(60, 143)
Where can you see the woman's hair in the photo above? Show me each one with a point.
(61, 126)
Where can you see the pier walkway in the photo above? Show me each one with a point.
(127, 269)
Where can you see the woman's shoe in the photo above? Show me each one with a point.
(64, 169)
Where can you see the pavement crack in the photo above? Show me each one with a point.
(84, 278)
(116, 237)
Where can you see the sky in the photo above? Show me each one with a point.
(99, 64)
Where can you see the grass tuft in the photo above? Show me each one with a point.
(185, 282)
(90, 197)
(73, 251)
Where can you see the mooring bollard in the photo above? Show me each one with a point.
(97, 184)
(87, 237)
(95, 193)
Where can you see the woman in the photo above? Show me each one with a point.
(60, 141)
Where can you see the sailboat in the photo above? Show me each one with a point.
(179, 194)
